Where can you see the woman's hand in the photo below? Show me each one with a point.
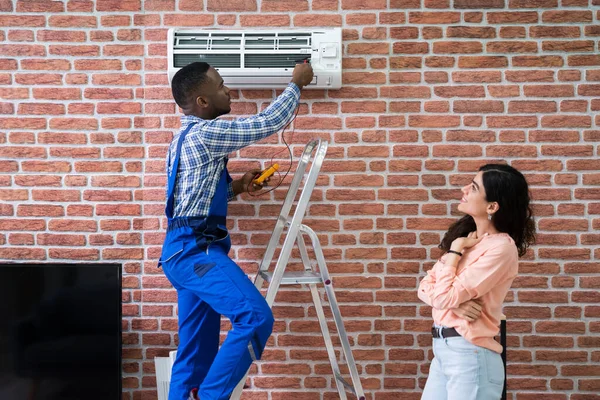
(469, 310)
(461, 243)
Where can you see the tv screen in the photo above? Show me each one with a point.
(60, 331)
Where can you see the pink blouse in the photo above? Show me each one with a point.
(485, 271)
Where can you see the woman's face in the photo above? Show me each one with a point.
(474, 201)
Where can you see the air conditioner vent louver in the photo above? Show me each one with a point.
(272, 60)
(216, 60)
(260, 58)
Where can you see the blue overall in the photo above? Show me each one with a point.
(209, 284)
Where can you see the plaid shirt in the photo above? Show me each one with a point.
(205, 149)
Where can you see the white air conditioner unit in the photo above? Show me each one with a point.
(259, 59)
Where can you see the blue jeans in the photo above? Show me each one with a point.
(462, 371)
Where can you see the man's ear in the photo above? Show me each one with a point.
(201, 102)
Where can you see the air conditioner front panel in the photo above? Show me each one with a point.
(257, 58)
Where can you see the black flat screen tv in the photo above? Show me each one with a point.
(60, 331)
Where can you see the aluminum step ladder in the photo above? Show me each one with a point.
(296, 231)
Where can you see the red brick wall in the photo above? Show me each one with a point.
(432, 89)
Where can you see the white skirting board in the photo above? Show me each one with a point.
(163, 367)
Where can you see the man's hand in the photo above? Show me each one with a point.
(302, 75)
(469, 310)
(245, 182)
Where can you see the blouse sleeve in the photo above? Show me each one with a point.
(426, 286)
(478, 278)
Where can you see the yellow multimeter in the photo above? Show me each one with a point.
(266, 173)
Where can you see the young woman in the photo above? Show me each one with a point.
(467, 286)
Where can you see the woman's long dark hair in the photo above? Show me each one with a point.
(508, 187)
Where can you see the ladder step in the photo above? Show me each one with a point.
(295, 278)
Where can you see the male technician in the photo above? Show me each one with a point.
(194, 255)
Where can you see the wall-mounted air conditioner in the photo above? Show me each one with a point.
(258, 59)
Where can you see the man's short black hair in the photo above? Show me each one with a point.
(187, 80)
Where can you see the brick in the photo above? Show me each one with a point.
(47, 239)
(273, 20)
(362, 5)
(516, 17)
(37, 180)
(72, 21)
(80, 6)
(549, 91)
(512, 122)
(21, 35)
(368, 48)
(410, 48)
(511, 47)
(131, 50)
(159, 5)
(204, 20)
(331, 5)
(22, 224)
(475, 106)
(533, 4)
(13, 194)
(119, 108)
(512, 32)
(74, 254)
(551, 121)
(432, 17)
(74, 123)
(482, 62)
(569, 16)
(276, 5)
(555, 31)
(530, 76)
(434, 121)
(462, 47)
(583, 60)
(41, 108)
(467, 4)
(593, 30)
(22, 123)
(40, 210)
(57, 94)
(118, 5)
(12, 253)
(362, 19)
(21, 239)
(405, 62)
(422, 92)
(534, 106)
(432, 32)
(459, 91)
(23, 21)
(538, 61)
(6, 5)
(579, 46)
(470, 32)
(22, 50)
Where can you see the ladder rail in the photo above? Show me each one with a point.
(307, 155)
(333, 304)
(287, 204)
(295, 233)
(294, 226)
(327, 339)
